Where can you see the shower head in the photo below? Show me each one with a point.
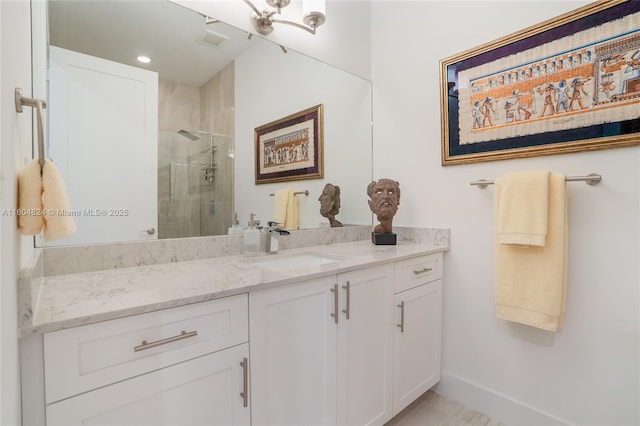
(188, 135)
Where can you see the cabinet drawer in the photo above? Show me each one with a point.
(418, 270)
(202, 391)
(83, 358)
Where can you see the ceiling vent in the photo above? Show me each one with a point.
(212, 38)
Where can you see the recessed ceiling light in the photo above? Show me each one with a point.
(144, 59)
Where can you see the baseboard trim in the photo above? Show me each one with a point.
(497, 406)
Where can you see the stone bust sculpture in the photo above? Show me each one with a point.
(330, 204)
(384, 200)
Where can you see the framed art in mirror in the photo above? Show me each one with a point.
(291, 148)
(568, 84)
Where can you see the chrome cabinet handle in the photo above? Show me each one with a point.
(151, 231)
(335, 303)
(422, 271)
(401, 325)
(148, 345)
(347, 311)
(245, 382)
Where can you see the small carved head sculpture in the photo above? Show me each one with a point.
(384, 200)
(330, 204)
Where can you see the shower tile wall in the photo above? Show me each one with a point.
(178, 211)
(178, 204)
(217, 102)
(178, 106)
(183, 197)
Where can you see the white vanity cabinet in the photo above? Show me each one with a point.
(321, 350)
(186, 365)
(349, 348)
(417, 339)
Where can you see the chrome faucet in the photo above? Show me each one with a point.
(273, 232)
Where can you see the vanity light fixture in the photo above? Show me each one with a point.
(313, 15)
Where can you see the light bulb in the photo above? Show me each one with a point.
(309, 6)
(313, 13)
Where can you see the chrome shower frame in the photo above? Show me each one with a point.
(208, 168)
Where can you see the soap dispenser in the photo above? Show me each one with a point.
(251, 237)
(235, 225)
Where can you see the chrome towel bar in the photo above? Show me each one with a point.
(305, 192)
(39, 105)
(590, 179)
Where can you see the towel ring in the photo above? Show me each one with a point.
(39, 105)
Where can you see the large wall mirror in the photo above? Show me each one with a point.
(165, 149)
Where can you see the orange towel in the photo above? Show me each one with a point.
(522, 212)
(58, 223)
(285, 209)
(530, 282)
(30, 220)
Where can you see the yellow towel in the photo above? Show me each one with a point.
(522, 212)
(58, 223)
(530, 283)
(30, 219)
(285, 209)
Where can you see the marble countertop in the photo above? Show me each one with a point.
(81, 298)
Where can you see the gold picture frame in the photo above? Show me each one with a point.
(568, 84)
(291, 148)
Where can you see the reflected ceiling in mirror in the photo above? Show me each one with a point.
(183, 46)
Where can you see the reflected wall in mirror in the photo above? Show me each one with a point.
(165, 149)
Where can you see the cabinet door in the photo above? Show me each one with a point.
(417, 343)
(202, 391)
(293, 352)
(365, 346)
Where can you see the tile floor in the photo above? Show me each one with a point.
(432, 409)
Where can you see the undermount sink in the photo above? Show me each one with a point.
(278, 262)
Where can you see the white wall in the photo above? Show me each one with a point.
(588, 372)
(15, 134)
